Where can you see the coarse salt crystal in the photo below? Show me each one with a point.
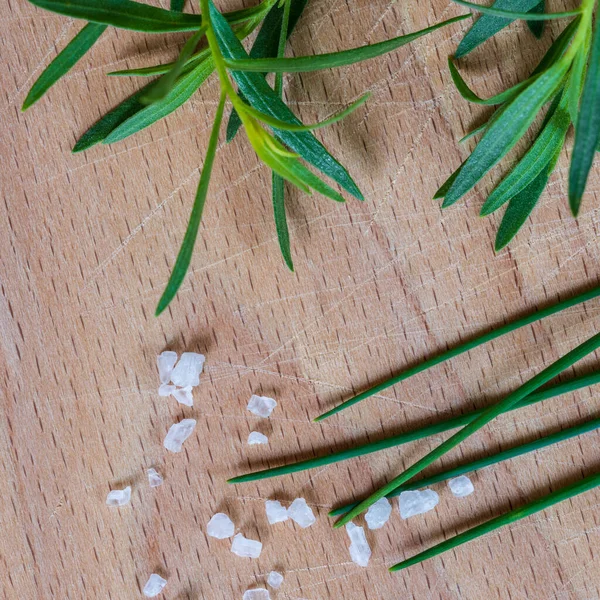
(154, 586)
(461, 486)
(417, 502)
(220, 526)
(301, 513)
(178, 433)
(275, 579)
(245, 547)
(257, 438)
(187, 370)
(119, 497)
(378, 513)
(165, 362)
(184, 395)
(166, 389)
(256, 594)
(276, 512)
(261, 406)
(360, 552)
(154, 478)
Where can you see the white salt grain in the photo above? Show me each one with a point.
(257, 438)
(256, 594)
(166, 389)
(301, 513)
(184, 395)
(261, 406)
(360, 552)
(417, 502)
(154, 478)
(276, 512)
(245, 547)
(220, 526)
(378, 513)
(188, 369)
(154, 586)
(178, 433)
(165, 362)
(119, 497)
(461, 486)
(275, 579)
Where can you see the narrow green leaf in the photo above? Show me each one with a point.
(488, 415)
(180, 93)
(576, 80)
(507, 130)
(558, 47)
(266, 45)
(332, 60)
(263, 98)
(283, 234)
(535, 161)
(443, 189)
(565, 493)
(513, 15)
(187, 247)
(161, 69)
(65, 60)
(587, 129)
(464, 347)
(537, 27)
(487, 26)
(471, 134)
(177, 5)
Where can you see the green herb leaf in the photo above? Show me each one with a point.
(443, 189)
(506, 131)
(587, 129)
(177, 5)
(537, 27)
(180, 93)
(487, 26)
(263, 98)
(283, 234)
(318, 62)
(513, 15)
(72, 52)
(187, 247)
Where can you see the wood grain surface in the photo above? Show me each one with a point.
(86, 246)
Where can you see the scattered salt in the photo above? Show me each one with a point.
(220, 526)
(417, 502)
(360, 552)
(276, 512)
(245, 547)
(154, 586)
(261, 406)
(378, 513)
(275, 579)
(461, 486)
(184, 395)
(165, 362)
(119, 497)
(300, 512)
(257, 594)
(154, 478)
(178, 433)
(188, 369)
(166, 389)
(257, 438)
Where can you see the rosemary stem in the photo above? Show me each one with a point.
(465, 347)
(488, 415)
(417, 434)
(543, 442)
(584, 485)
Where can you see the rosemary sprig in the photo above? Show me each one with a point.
(584, 485)
(493, 459)
(417, 434)
(465, 347)
(488, 415)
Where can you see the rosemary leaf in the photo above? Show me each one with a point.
(332, 60)
(177, 5)
(584, 485)
(283, 234)
(416, 434)
(488, 415)
(510, 14)
(465, 347)
(187, 247)
(65, 60)
(537, 27)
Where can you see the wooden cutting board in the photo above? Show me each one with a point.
(86, 246)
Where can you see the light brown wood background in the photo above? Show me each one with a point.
(86, 245)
